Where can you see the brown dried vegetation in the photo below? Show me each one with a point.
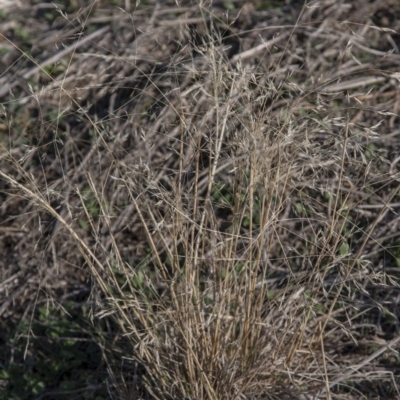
(227, 177)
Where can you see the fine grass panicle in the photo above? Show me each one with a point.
(226, 178)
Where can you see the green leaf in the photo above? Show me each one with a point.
(344, 249)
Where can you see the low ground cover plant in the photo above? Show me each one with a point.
(224, 179)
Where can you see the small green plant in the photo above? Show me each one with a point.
(50, 353)
(22, 33)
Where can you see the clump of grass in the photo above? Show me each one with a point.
(244, 189)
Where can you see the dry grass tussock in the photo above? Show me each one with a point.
(230, 182)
